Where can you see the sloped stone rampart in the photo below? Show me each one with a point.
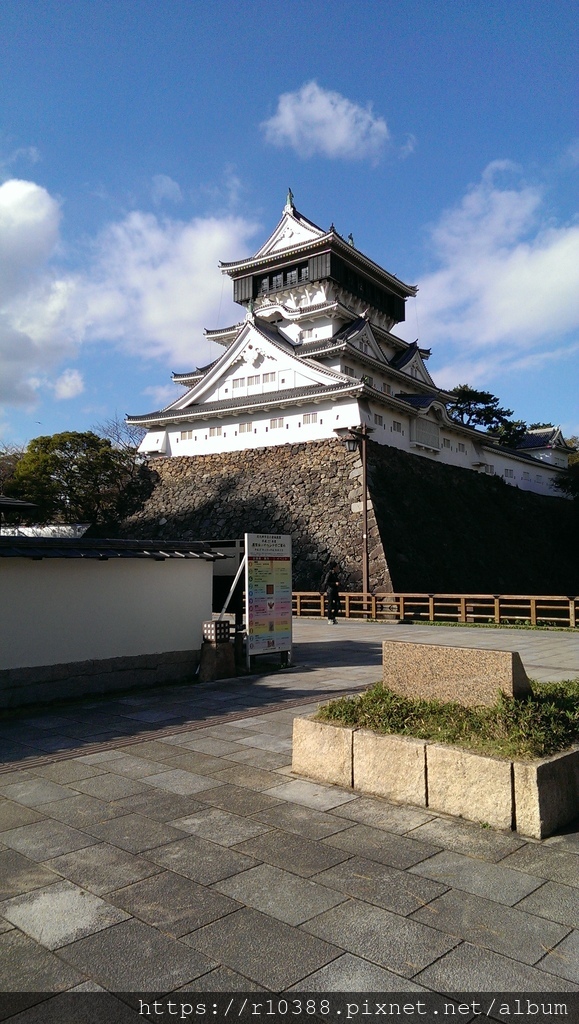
(312, 491)
(432, 527)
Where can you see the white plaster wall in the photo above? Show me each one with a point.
(58, 610)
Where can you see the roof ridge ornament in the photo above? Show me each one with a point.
(289, 202)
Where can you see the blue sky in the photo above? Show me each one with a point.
(141, 142)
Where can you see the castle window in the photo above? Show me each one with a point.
(526, 476)
(186, 435)
(304, 272)
(396, 426)
(214, 431)
(349, 371)
(461, 447)
(269, 378)
(252, 381)
(292, 277)
(509, 473)
(446, 442)
(363, 347)
(245, 428)
(538, 478)
(276, 423)
(378, 420)
(277, 281)
(264, 287)
(310, 417)
(386, 389)
(305, 335)
(239, 382)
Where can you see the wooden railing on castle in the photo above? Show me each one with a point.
(501, 609)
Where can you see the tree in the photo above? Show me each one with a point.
(79, 477)
(10, 455)
(475, 408)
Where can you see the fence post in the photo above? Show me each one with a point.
(572, 620)
(533, 612)
(497, 610)
(321, 606)
(401, 609)
(462, 617)
(431, 607)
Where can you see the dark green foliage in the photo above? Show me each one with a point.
(79, 477)
(475, 408)
(544, 724)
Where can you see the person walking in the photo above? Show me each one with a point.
(331, 586)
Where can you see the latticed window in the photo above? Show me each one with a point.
(276, 423)
(269, 378)
(426, 433)
(378, 420)
(239, 382)
(253, 380)
(310, 417)
(245, 428)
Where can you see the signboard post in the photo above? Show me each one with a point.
(268, 594)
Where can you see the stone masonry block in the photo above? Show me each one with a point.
(322, 751)
(390, 766)
(465, 675)
(546, 793)
(468, 785)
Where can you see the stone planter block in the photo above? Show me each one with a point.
(465, 675)
(322, 751)
(546, 794)
(469, 785)
(390, 766)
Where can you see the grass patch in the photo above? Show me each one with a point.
(545, 723)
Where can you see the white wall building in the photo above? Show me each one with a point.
(316, 354)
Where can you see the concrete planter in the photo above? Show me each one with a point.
(533, 797)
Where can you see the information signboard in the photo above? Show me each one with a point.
(268, 593)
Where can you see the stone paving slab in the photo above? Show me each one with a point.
(210, 880)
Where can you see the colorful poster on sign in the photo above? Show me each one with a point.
(268, 592)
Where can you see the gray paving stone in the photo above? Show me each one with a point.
(174, 904)
(304, 821)
(380, 814)
(385, 847)
(200, 860)
(135, 767)
(513, 932)
(198, 763)
(100, 757)
(264, 741)
(12, 815)
(268, 952)
(564, 960)
(266, 759)
(281, 848)
(222, 979)
(18, 874)
(220, 826)
(472, 840)
(151, 750)
(81, 810)
(386, 939)
(102, 868)
(59, 914)
(312, 794)
(133, 957)
(555, 902)
(67, 1008)
(470, 968)
(135, 833)
(175, 780)
(109, 787)
(35, 792)
(27, 967)
(45, 839)
(545, 862)
(238, 799)
(247, 775)
(206, 745)
(159, 804)
(351, 973)
(280, 894)
(67, 771)
(567, 842)
(381, 885)
(492, 881)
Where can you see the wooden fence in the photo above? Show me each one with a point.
(507, 609)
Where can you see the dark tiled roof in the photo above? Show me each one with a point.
(61, 547)
(419, 401)
(403, 358)
(350, 331)
(14, 504)
(549, 438)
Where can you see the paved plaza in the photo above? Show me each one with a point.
(158, 842)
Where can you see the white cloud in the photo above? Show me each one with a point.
(68, 385)
(151, 287)
(164, 188)
(318, 121)
(505, 288)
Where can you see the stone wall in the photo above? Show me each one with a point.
(312, 491)
(432, 527)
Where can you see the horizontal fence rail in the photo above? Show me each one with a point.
(505, 609)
